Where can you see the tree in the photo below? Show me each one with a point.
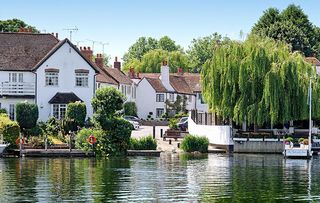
(202, 49)
(151, 61)
(130, 109)
(139, 48)
(14, 25)
(178, 106)
(27, 115)
(167, 44)
(259, 81)
(291, 26)
(76, 115)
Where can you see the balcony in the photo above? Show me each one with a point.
(17, 89)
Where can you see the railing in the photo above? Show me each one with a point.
(17, 89)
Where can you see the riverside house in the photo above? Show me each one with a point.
(154, 89)
(41, 69)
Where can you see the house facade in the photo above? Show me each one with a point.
(154, 89)
(41, 69)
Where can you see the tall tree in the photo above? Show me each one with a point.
(14, 25)
(167, 44)
(259, 81)
(202, 49)
(292, 26)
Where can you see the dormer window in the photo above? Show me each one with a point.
(52, 77)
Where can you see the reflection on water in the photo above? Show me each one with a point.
(169, 178)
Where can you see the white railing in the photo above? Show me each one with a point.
(17, 88)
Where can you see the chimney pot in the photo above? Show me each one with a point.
(117, 64)
(88, 48)
(116, 59)
(57, 35)
(164, 63)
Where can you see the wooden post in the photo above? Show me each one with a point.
(46, 142)
(161, 132)
(70, 148)
(205, 118)
(154, 131)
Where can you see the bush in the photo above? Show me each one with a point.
(191, 143)
(27, 115)
(130, 109)
(301, 140)
(289, 139)
(9, 129)
(81, 139)
(76, 112)
(52, 127)
(173, 123)
(3, 111)
(145, 143)
(37, 142)
(35, 131)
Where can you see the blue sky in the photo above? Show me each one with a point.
(121, 22)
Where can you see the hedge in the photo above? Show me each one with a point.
(9, 129)
(144, 143)
(191, 143)
(27, 115)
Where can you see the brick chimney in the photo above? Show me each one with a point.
(180, 71)
(116, 64)
(57, 35)
(99, 61)
(87, 52)
(132, 73)
(25, 30)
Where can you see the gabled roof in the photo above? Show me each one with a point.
(179, 84)
(156, 84)
(22, 51)
(313, 60)
(118, 75)
(64, 98)
(104, 78)
(56, 47)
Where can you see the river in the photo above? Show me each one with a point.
(169, 178)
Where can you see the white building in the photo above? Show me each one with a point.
(43, 70)
(315, 63)
(154, 89)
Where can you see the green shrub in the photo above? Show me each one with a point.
(130, 109)
(3, 111)
(35, 131)
(52, 127)
(144, 143)
(81, 139)
(289, 139)
(301, 140)
(191, 143)
(37, 141)
(27, 115)
(76, 112)
(9, 129)
(173, 123)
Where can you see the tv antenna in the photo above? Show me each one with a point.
(93, 42)
(70, 30)
(103, 44)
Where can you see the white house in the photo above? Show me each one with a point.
(43, 70)
(154, 89)
(314, 62)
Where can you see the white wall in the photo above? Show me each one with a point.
(27, 76)
(219, 135)
(66, 59)
(146, 100)
(199, 106)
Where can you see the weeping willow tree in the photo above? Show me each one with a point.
(259, 81)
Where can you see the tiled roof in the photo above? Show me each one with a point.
(193, 80)
(156, 84)
(22, 51)
(104, 78)
(118, 75)
(179, 84)
(313, 61)
(64, 98)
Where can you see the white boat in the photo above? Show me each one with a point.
(297, 152)
(3, 147)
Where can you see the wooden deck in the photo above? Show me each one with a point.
(54, 153)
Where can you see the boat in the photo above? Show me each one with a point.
(3, 147)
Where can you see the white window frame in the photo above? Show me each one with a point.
(13, 77)
(128, 90)
(159, 97)
(20, 77)
(52, 79)
(190, 98)
(158, 112)
(82, 80)
(59, 114)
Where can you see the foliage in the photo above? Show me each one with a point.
(259, 81)
(13, 25)
(144, 143)
(173, 123)
(107, 101)
(3, 110)
(27, 115)
(52, 127)
(167, 44)
(36, 141)
(178, 106)
(202, 49)
(9, 129)
(191, 143)
(76, 113)
(289, 139)
(130, 109)
(35, 131)
(81, 139)
(291, 26)
(301, 140)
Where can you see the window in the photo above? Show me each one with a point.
(190, 98)
(123, 89)
(52, 79)
(59, 110)
(82, 79)
(12, 77)
(160, 98)
(128, 90)
(171, 97)
(159, 112)
(20, 77)
(11, 111)
(201, 98)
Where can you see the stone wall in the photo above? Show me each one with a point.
(272, 147)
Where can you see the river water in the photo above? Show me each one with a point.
(169, 178)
